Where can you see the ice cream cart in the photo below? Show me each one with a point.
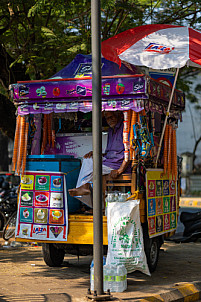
(53, 132)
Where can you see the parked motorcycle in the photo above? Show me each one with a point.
(192, 227)
(8, 209)
(9, 228)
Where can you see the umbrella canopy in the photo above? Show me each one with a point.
(158, 46)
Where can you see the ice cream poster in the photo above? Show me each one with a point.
(161, 203)
(42, 211)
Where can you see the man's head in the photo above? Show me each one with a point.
(112, 118)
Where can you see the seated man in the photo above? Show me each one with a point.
(113, 158)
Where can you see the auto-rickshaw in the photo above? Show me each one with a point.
(53, 132)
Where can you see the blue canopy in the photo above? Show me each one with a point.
(81, 66)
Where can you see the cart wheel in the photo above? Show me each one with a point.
(52, 255)
(152, 248)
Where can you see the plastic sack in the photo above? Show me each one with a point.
(125, 236)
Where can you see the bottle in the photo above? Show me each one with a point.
(92, 278)
(116, 197)
(105, 278)
(110, 278)
(106, 208)
(114, 277)
(125, 279)
(121, 278)
(115, 283)
(128, 194)
(117, 278)
(92, 272)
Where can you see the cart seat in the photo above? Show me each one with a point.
(123, 183)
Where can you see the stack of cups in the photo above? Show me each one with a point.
(125, 136)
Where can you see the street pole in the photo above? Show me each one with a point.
(97, 146)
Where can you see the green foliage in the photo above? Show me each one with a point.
(39, 37)
(45, 36)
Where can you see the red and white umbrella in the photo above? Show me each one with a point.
(158, 46)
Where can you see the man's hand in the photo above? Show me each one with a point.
(114, 174)
(89, 155)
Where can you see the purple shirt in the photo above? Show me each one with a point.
(115, 148)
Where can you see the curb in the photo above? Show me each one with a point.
(181, 292)
(190, 202)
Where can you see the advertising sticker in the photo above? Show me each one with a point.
(43, 210)
(42, 182)
(161, 202)
(26, 199)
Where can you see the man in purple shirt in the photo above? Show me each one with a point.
(113, 158)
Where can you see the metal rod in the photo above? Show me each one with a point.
(97, 146)
(167, 115)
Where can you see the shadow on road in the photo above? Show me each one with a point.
(36, 298)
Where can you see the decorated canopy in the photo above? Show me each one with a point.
(70, 90)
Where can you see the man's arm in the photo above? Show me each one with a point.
(115, 173)
(90, 154)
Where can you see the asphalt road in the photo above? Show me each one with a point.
(26, 278)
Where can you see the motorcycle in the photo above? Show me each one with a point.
(192, 227)
(8, 209)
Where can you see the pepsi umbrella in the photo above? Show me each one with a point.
(158, 46)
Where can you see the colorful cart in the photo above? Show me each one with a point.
(53, 132)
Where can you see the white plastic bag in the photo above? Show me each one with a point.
(125, 237)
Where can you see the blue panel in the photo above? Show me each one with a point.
(42, 166)
(50, 156)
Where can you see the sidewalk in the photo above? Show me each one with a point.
(25, 277)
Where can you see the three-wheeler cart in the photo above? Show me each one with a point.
(53, 132)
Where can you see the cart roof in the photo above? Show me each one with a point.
(70, 90)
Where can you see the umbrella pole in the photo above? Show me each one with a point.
(167, 115)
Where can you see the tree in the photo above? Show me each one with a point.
(40, 37)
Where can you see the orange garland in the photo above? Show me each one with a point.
(131, 134)
(134, 120)
(16, 142)
(24, 156)
(169, 151)
(174, 154)
(21, 145)
(126, 130)
(165, 150)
